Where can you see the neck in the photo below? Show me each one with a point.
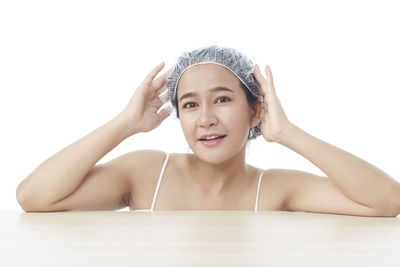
(215, 179)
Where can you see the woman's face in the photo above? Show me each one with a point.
(211, 101)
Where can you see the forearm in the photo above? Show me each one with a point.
(60, 175)
(359, 180)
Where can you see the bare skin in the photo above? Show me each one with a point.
(72, 179)
(215, 112)
(177, 192)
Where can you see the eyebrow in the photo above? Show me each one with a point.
(215, 89)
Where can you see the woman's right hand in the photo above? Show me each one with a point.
(141, 112)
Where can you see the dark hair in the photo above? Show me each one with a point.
(251, 101)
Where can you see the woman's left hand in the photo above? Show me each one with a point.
(274, 123)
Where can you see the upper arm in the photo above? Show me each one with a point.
(110, 186)
(313, 193)
(107, 186)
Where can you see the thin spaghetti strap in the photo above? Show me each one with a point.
(159, 182)
(258, 190)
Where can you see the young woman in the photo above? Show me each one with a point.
(222, 101)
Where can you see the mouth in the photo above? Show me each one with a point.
(212, 140)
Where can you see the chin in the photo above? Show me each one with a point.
(214, 156)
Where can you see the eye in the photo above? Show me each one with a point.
(188, 103)
(225, 99)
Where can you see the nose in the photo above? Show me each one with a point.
(207, 117)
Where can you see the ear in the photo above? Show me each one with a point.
(256, 112)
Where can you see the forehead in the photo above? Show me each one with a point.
(205, 76)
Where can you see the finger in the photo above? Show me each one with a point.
(158, 84)
(269, 73)
(270, 79)
(160, 81)
(150, 77)
(164, 96)
(167, 72)
(158, 103)
(262, 81)
(162, 115)
(258, 73)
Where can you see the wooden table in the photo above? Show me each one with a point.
(197, 238)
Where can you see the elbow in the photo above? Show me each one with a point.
(392, 209)
(26, 203)
(21, 200)
(396, 210)
(393, 212)
(21, 195)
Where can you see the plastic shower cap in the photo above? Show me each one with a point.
(230, 58)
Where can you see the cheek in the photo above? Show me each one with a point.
(240, 122)
(239, 117)
(187, 125)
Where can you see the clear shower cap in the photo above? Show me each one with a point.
(230, 58)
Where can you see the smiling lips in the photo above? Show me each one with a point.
(212, 139)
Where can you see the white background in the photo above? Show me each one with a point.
(68, 67)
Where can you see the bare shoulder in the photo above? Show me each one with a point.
(274, 189)
(309, 192)
(290, 179)
(138, 163)
(143, 156)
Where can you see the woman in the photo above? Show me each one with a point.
(222, 100)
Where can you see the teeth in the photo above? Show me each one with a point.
(210, 137)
